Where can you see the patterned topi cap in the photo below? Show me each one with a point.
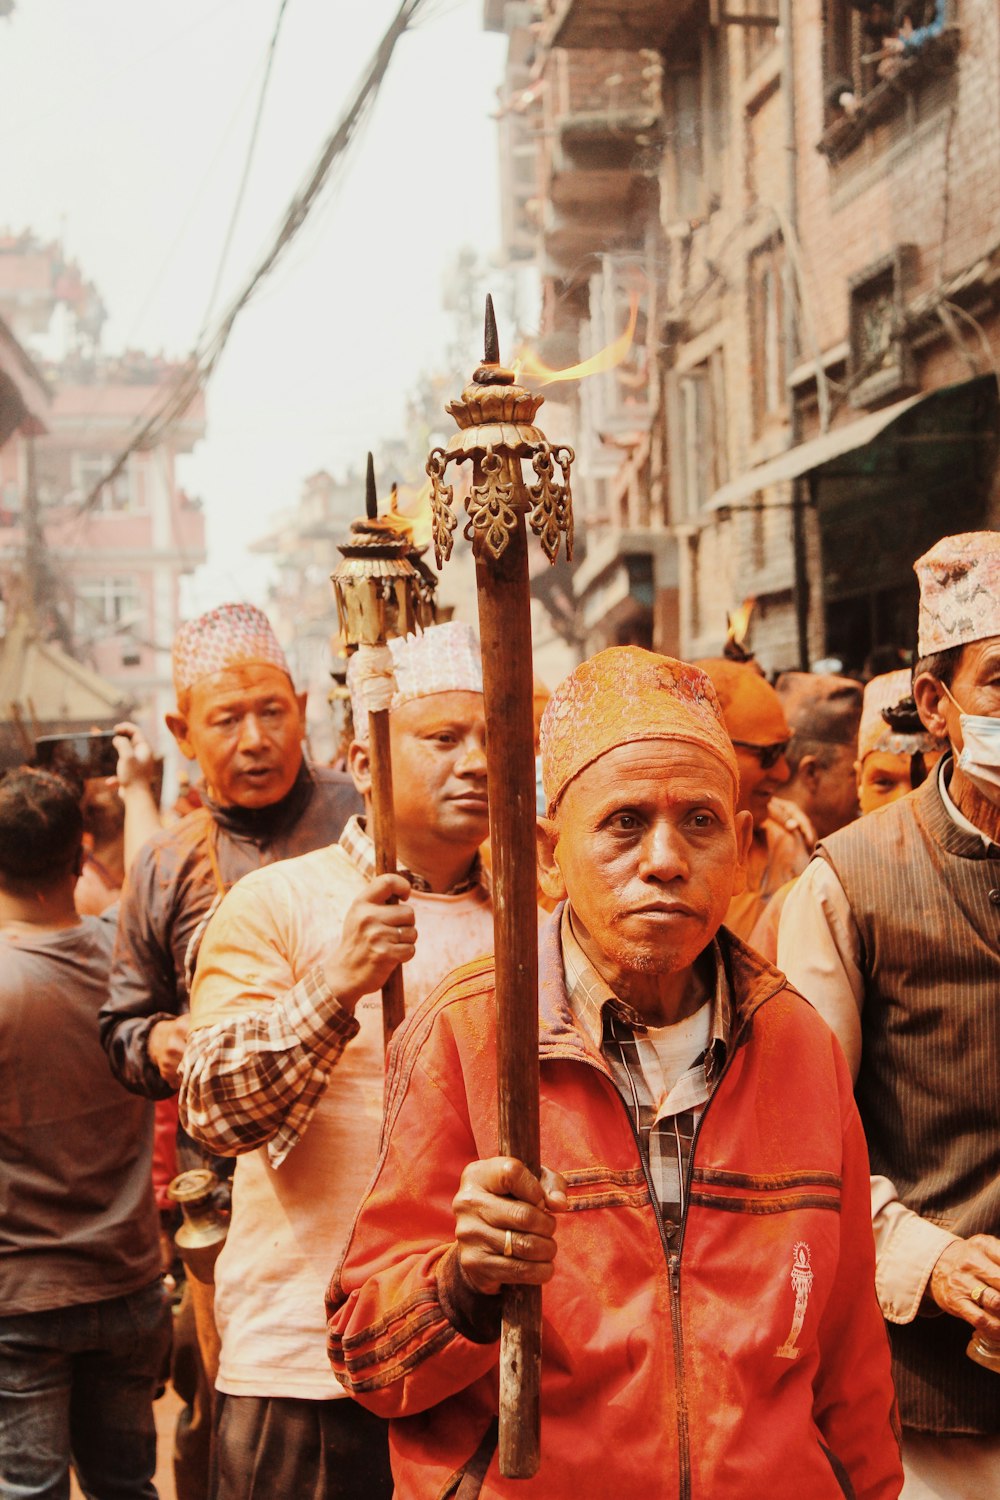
(888, 691)
(959, 591)
(224, 637)
(622, 695)
(442, 659)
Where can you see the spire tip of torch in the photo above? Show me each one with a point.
(371, 497)
(491, 341)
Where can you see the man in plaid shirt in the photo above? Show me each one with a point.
(284, 1068)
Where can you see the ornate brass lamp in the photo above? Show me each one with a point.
(380, 594)
(496, 417)
(379, 591)
(199, 1239)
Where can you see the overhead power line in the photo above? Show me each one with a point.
(248, 163)
(201, 362)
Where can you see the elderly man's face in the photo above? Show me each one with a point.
(244, 726)
(975, 689)
(975, 686)
(651, 851)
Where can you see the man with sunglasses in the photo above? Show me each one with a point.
(782, 840)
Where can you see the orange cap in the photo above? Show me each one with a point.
(751, 708)
(621, 695)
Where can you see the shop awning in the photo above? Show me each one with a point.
(812, 455)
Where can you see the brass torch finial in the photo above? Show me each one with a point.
(371, 495)
(491, 371)
(379, 589)
(491, 339)
(496, 421)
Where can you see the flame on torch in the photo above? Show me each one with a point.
(736, 648)
(528, 367)
(409, 512)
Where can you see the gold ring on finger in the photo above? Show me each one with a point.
(979, 1294)
(508, 1244)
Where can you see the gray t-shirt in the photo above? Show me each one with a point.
(77, 1217)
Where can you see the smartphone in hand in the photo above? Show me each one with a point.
(83, 756)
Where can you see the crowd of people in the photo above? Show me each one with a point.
(766, 1221)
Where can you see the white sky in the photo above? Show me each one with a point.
(125, 127)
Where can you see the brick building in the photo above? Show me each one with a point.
(813, 253)
(105, 584)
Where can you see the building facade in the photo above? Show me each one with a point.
(806, 235)
(103, 575)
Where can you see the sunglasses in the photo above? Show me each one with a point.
(768, 755)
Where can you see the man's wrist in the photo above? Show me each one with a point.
(161, 1018)
(338, 986)
(475, 1315)
(131, 790)
(319, 1017)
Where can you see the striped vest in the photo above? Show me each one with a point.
(926, 900)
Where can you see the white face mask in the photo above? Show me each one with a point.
(980, 757)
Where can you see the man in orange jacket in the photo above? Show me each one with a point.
(702, 1226)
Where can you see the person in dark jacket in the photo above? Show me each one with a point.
(239, 716)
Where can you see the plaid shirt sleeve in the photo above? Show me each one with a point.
(255, 1080)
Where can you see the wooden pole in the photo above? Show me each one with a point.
(377, 589)
(505, 633)
(497, 431)
(384, 839)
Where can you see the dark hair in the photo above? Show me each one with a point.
(903, 718)
(801, 745)
(103, 812)
(823, 712)
(940, 664)
(41, 830)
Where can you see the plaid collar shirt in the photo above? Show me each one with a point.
(356, 843)
(254, 1080)
(664, 1127)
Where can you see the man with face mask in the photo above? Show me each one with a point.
(892, 933)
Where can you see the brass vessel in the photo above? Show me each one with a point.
(203, 1231)
(985, 1352)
